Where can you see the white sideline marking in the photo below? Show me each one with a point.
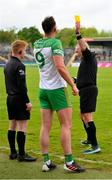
(62, 157)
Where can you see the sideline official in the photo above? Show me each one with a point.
(18, 103)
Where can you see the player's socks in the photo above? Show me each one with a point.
(68, 159)
(46, 157)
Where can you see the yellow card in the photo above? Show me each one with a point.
(77, 18)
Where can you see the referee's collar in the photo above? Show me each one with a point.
(15, 58)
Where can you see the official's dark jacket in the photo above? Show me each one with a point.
(15, 78)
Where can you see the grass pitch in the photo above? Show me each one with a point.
(98, 165)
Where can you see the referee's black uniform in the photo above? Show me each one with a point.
(86, 82)
(15, 82)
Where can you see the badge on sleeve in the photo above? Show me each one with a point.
(21, 72)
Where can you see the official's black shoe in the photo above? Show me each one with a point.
(92, 150)
(85, 142)
(13, 156)
(48, 167)
(26, 158)
(74, 167)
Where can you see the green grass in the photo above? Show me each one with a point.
(33, 171)
(102, 118)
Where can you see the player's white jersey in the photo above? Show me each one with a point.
(44, 50)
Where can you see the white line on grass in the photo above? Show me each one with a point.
(62, 157)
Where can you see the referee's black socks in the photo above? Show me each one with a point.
(86, 129)
(21, 142)
(91, 131)
(11, 139)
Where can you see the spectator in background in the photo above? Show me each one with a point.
(104, 55)
(110, 53)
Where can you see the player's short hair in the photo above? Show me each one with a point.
(48, 24)
(18, 45)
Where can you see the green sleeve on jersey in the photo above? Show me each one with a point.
(57, 48)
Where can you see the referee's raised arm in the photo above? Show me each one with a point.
(83, 45)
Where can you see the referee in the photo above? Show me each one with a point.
(88, 91)
(18, 104)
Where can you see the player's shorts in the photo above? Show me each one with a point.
(55, 100)
(17, 108)
(88, 99)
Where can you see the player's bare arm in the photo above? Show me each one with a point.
(60, 66)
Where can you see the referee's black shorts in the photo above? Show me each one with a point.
(88, 99)
(17, 108)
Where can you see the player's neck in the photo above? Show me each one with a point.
(50, 35)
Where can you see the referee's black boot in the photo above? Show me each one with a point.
(13, 156)
(26, 158)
